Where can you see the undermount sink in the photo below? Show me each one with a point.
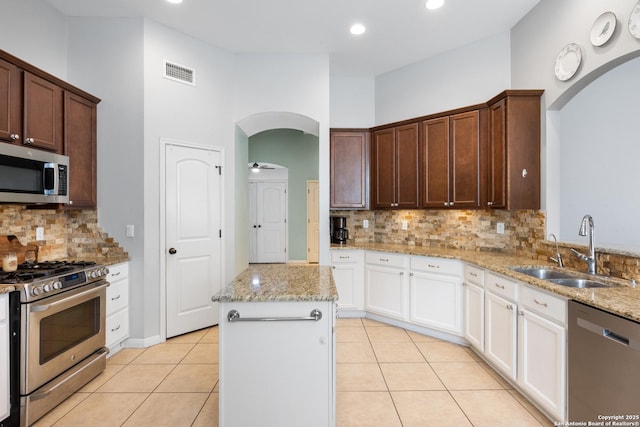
(544, 273)
(562, 278)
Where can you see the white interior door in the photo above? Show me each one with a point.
(193, 237)
(313, 221)
(268, 227)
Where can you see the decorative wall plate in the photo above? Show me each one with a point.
(568, 61)
(603, 28)
(634, 21)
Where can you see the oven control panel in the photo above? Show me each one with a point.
(57, 284)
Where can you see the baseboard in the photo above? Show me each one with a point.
(142, 342)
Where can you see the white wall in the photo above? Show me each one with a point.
(106, 60)
(35, 32)
(352, 102)
(470, 75)
(197, 115)
(290, 83)
(535, 43)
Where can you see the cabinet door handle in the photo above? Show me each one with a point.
(402, 273)
(29, 141)
(509, 307)
(15, 137)
(544, 304)
(489, 203)
(521, 313)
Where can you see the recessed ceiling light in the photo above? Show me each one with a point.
(175, 1)
(357, 29)
(434, 4)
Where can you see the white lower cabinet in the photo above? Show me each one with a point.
(277, 373)
(117, 306)
(436, 294)
(348, 274)
(542, 350)
(387, 284)
(501, 323)
(4, 356)
(473, 296)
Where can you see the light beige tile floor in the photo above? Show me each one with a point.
(385, 376)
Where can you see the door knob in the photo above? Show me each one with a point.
(172, 251)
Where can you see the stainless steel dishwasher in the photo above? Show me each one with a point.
(604, 366)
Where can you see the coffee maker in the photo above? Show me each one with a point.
(338, 229)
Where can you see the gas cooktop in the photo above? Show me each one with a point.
(43, 279)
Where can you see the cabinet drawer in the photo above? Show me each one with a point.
(436, 265)
(501, 286)
(117, 296)
(345, 257)
(473, 274)
(384, 258)
(117, 327)
(542, 303)
(118, 272)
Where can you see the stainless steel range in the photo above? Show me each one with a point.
(62, 331)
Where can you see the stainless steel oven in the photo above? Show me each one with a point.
(62, 332)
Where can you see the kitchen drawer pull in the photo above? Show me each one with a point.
(499, 286)
(544, 304)
(384, 260)
(115, 298)
(234, 316)
(344, 257)
(433, 266)
(116, 273)
(472, 274)
(115, 329)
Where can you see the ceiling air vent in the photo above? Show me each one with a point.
(179, 73)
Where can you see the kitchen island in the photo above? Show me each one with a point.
(277, 347)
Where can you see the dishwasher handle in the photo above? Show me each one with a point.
(615, 337)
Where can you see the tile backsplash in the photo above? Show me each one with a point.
(67, 234)
(524, 235)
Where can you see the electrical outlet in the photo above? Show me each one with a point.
(39, 233)
(500, 228)
(130, 230)
(405, 224)
(365, 223)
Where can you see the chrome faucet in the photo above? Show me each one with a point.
(558, 258)
(591, 259)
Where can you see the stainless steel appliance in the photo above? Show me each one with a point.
(604, 366)
(62, 331)
(338, 229)
(32, 176)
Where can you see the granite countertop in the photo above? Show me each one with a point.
(622, 299)
(5, 289)
(280, 282)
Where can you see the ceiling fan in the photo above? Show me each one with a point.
(255, 167)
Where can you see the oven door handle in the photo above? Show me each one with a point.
(36, 308)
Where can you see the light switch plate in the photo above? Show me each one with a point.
(500, 228)
(365, 223)
(405, 224)
(130, 230)
(39, 233)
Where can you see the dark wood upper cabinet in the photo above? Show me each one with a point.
(80, 122)
(394, 168)
(349, 160)
(514, 150)
(42, 116)
(451, 161)
(10, 103)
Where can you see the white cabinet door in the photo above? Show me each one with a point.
(542, 352)
(348, 274)
(277, 373)
(436, 301)
(4, 356)
(386, 291)
(501, 333)
(474, 315)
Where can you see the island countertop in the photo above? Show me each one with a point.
(280, 282)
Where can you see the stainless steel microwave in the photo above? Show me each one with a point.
(32, 176)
